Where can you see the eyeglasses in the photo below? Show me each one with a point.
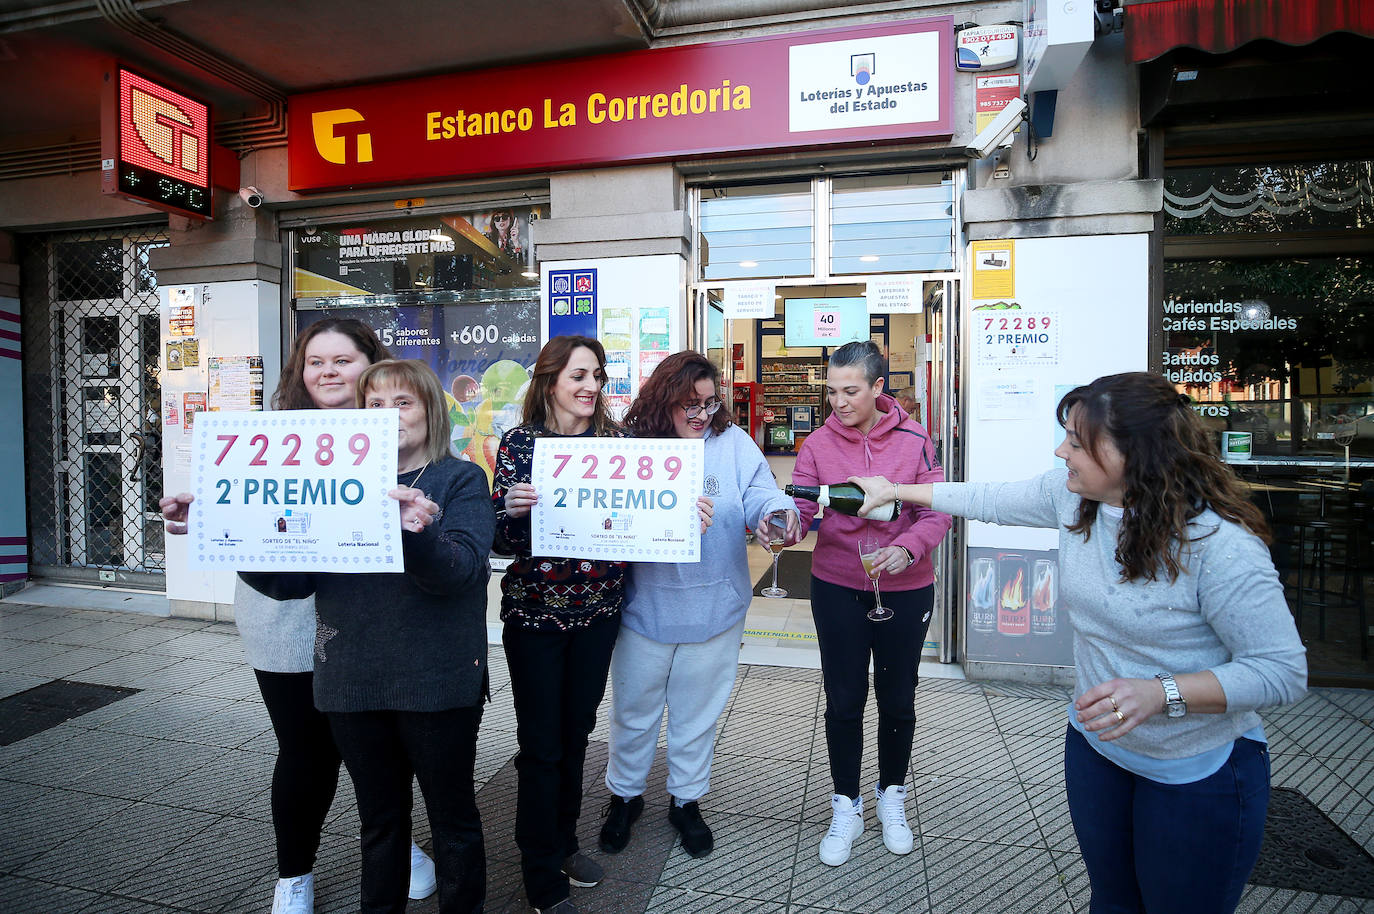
(691, 412)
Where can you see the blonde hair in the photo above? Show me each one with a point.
(418, 378)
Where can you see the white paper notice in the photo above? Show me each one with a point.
(894, 295)
(1007, 398)
(617, 499)
(749, 300)
(1013, 338)
(298, 491)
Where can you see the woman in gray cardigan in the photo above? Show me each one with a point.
(1181, 633)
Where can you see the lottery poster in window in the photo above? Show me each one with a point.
(617, 499)
(295, 491)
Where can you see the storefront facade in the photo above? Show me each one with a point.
(761, 199)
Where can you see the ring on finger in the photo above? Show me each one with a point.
(1112, 699)
(1120, 718)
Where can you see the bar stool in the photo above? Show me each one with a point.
(1317, 553)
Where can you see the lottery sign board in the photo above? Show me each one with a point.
(618, 499)
(303, 490)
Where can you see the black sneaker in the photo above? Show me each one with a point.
(620, 815)
(696, 836)
(582, 872)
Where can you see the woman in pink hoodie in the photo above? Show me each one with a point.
(867, 428)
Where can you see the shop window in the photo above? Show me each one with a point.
(1280, 347)
(89, 270)
(755, 232)
(892, 224)
(418, 257)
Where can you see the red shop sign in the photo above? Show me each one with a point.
(881, 83)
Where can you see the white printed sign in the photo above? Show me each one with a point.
(744, 300)
(304, 490)
(864, 82)
(1013, 338)
(618, 499)
(894, 295)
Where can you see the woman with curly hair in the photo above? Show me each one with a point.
(1181, 633)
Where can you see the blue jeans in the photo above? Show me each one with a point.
(1154, 848)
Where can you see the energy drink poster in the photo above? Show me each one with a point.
(1013, 608)
(483, 354)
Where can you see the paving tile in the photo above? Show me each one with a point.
(967, 753)
(236, 783)
(15, 653)
(147, 636)
(749, 851)
(123, 670)
(107, 852)
(755, 787)
(49, 628)
(965, 876)
(194, 643)
(38, 817)
(1038, 759)
(181, 675)
(237, 683)
(872, 881)
(783, 673)
(70, 663)
(96, 632)
(1313, 704)
(1264, 899)
(112, 764)
(988, 811)
(1322, 782)
(953, 710)
(1328, 738)
(1050, 806)
(14, 683)
(18, 894)
(1359, 702)
(208, 870)
(766, 736)
(775, 696)
(674, 901)
(1062, 694)
(1029, 716)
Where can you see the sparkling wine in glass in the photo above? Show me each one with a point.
(771, 536)
(868, 554)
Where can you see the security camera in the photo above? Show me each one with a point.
(251, 195)
(999, 132)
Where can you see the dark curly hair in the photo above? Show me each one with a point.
(672, 384)
(1172, 470)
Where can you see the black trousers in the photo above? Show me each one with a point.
(307, 769)
(558, 680)
(383, 750)
(847, 641)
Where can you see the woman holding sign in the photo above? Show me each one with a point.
(680, 631)
(561, 618)
(401, 659)
(278, 636)
(1180, 633)
(867, 428)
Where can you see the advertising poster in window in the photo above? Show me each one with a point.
(482, 353)
(1016, 373)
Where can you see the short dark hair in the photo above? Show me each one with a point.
(291, 392)
(865, 354)
(671, 384)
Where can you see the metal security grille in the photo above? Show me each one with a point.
(92, 406)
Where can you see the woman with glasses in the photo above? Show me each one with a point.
(680, 630)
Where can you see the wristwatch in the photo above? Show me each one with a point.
(1174, 703)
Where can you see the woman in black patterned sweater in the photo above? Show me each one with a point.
(561, 619)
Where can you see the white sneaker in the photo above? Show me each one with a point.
(295, 895)
(846, 824)
(423, 882)
(892, 813)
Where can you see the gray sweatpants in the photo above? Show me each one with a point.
(694, 682)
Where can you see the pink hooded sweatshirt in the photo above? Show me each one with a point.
(898, 447)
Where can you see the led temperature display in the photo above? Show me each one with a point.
(163, 153)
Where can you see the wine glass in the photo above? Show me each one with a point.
(774, 526)
(868, 554)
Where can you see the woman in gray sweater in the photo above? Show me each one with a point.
(1181, 633)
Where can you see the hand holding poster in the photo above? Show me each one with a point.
(617, 499)
(295, 491)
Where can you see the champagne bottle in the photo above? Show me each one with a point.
(844, 497)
